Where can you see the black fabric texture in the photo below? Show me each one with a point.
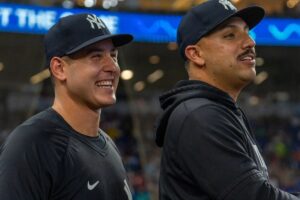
(209, 151)
(45, 159)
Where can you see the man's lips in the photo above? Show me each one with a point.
(247, 56)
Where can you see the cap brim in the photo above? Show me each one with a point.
(251, 15)
(117, 39)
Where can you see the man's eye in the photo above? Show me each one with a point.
(114, 55)
(230, 35)
(98, 55)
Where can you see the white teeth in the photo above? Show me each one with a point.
(104, 84)
(247, 58)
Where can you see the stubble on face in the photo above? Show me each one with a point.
(229, 55)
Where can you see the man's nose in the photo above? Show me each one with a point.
(110, 63)
(249, 42)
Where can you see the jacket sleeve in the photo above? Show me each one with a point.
(213, 151)
(27, 165)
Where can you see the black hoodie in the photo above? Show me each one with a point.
(209, 151)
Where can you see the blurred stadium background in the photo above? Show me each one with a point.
(150, 66)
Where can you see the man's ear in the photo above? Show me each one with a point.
(194, 54)
(57, 68)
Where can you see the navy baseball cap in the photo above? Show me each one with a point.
(204, 18)
(74, 32)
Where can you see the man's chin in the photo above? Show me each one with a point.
(247, 80)
(108, 103)
(102, 104)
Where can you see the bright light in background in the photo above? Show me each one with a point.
(114, 3)
(235, 1)
(155, 76)
(89, 3)
(172, 46)
(127, 74)
(1, 66)
(292, 3)
(68, 4)
(253, 100)
(261, 77)
(139, 86)
(39, 77)
(260, 61)
(154, 59)
(109, 3)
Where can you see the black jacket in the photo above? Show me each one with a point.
(209, 151)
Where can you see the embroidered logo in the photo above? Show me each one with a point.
(92, 186)
(95, 22)
(127, 190)
(227, 4)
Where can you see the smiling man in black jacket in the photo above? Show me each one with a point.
(209, 151)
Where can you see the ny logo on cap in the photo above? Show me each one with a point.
(94, 20)
(227, 4)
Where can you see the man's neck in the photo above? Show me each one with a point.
(82, 119)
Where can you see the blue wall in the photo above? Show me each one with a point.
(145, 27)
